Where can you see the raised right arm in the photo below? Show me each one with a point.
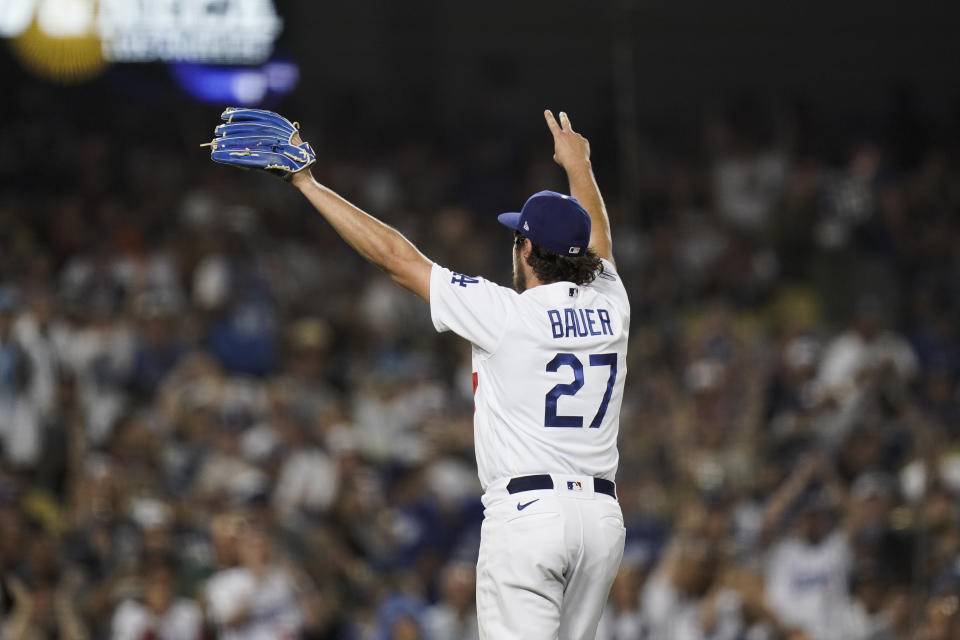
(376, 241)
(572, 152)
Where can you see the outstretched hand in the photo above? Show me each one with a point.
(570, 149)
(572, 152)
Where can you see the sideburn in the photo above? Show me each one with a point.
(519, 275)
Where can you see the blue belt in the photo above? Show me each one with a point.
(532, 483)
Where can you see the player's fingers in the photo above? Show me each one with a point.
(565, 121)
(551, 122)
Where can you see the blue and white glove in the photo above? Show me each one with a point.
(258, 139)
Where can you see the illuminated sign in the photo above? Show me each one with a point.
(212, 31)
(236, 31)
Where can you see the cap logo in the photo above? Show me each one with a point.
(574, 250)
(526, 227)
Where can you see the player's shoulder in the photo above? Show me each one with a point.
(608, 283)
(607, 273)
(464, 283)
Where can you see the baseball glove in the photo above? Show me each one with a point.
(258, 139)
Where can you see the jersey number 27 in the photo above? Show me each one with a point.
(550, 417)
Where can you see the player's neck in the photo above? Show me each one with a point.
(531, 280)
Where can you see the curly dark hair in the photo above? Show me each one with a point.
(553, 267)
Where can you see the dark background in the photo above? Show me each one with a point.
(440, 68)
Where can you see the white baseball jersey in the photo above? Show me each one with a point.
(549, 366)
(807, 584)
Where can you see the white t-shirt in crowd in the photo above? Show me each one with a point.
(133, 620)
(272, 611)
(807, 584)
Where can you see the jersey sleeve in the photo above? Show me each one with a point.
(609, 284)
(472, 307)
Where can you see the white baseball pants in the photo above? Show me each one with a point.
(547, 560)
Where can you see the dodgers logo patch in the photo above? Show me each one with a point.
(462, 280)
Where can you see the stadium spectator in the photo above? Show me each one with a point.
(159, 614)
(807, 573)
(20, 417)
(258, 597)
(454, 616)
(622, 619)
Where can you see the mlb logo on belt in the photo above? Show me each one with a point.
(574, 485)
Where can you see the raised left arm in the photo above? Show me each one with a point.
(572, 152)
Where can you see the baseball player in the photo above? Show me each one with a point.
(549, 362)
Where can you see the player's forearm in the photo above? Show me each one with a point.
(377, 242)
(583, 187)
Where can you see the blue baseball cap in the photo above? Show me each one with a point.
(553, 221)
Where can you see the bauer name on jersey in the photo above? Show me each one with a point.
(549, 367)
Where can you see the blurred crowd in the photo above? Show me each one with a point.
(216, 421)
